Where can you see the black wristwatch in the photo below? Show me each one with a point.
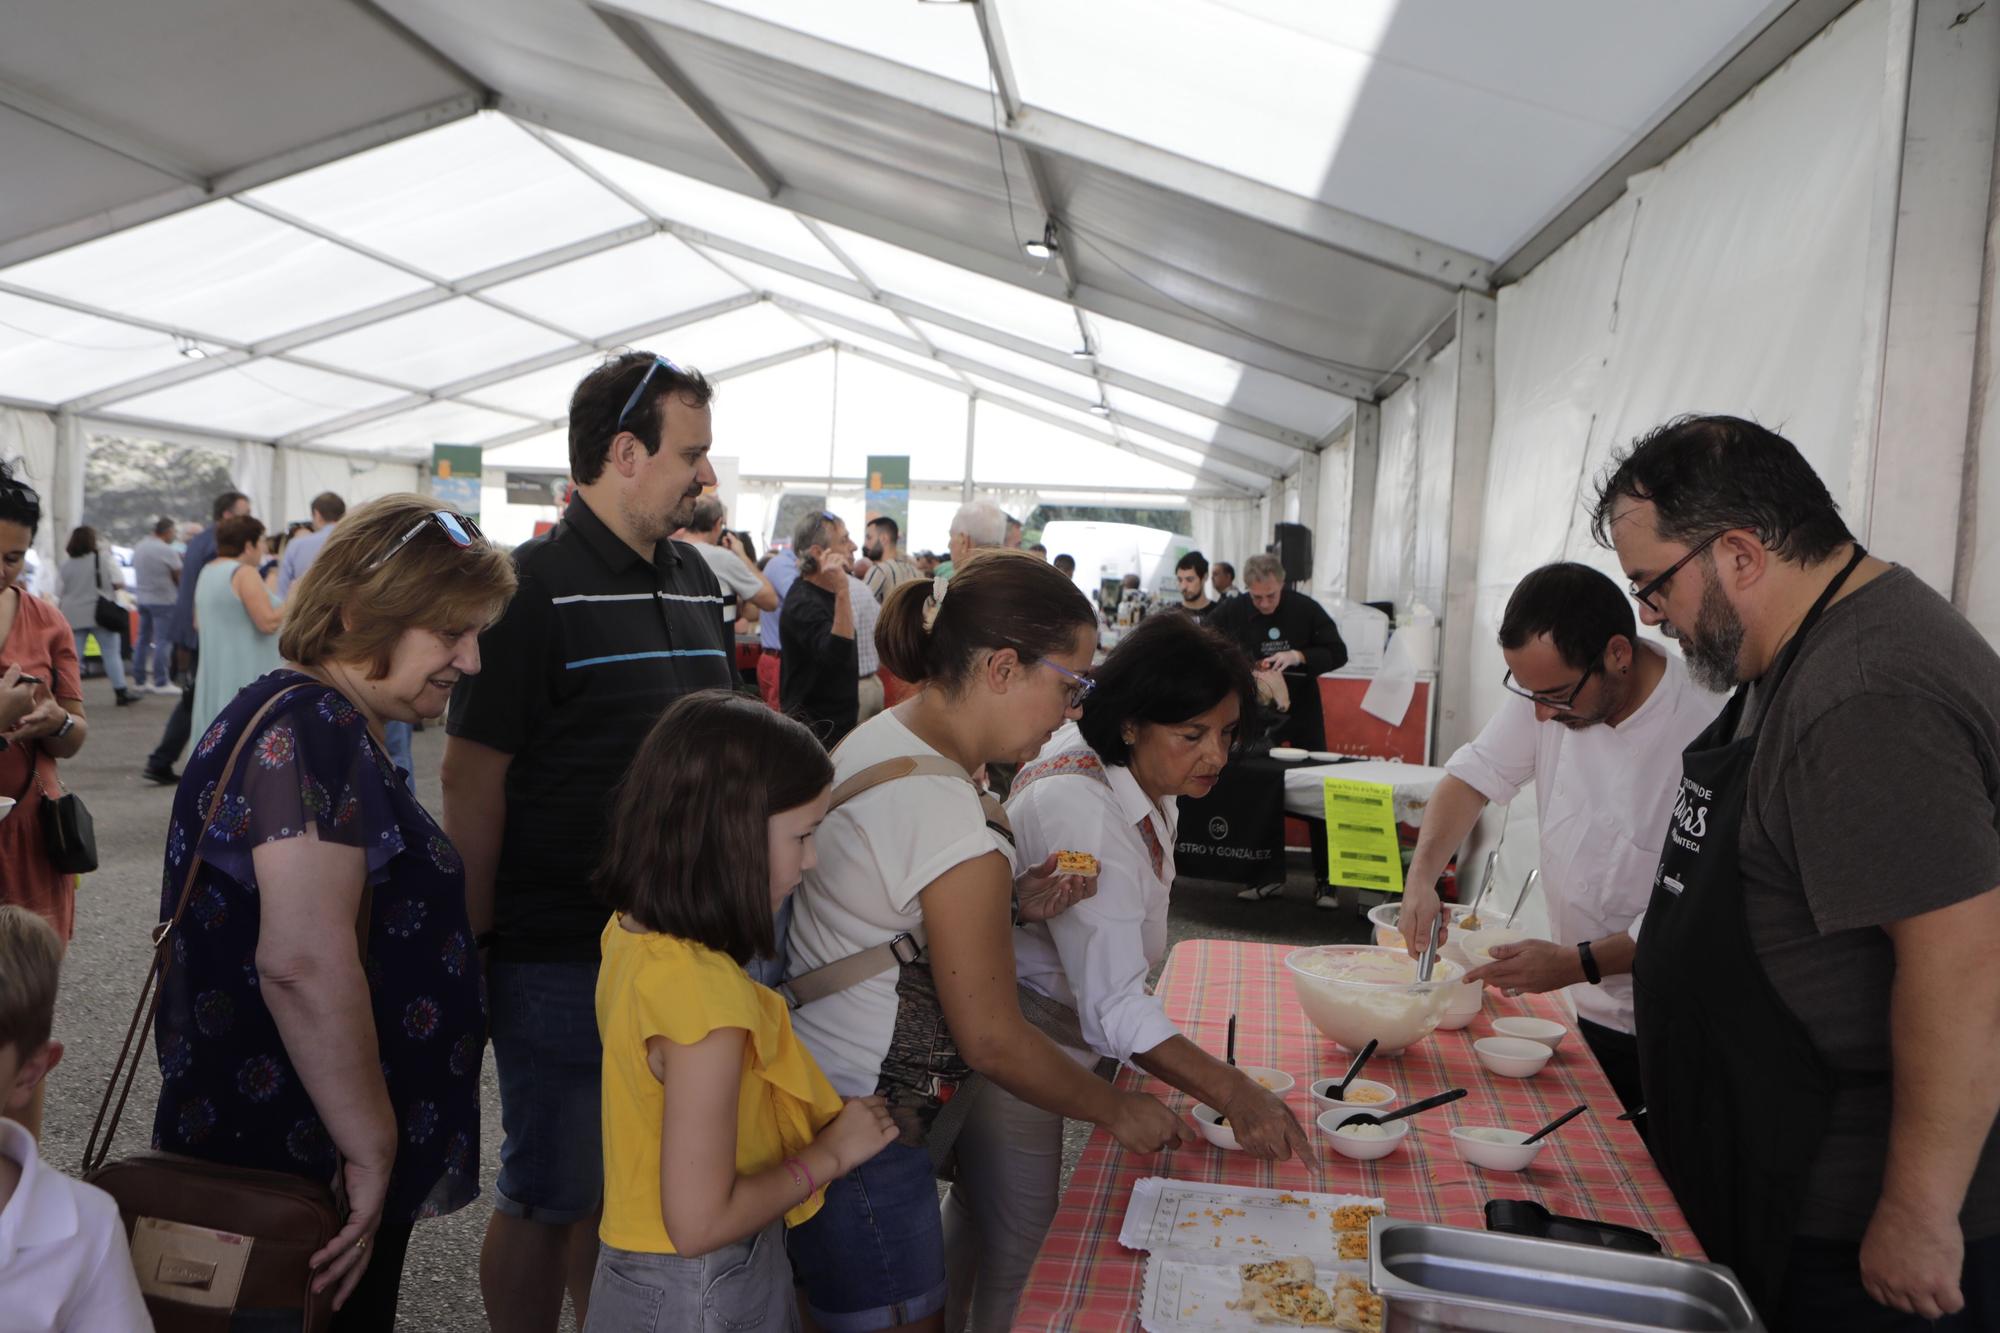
(1590, 972)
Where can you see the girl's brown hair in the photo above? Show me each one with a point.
(690, 854)
(343, 610)
(998, 598)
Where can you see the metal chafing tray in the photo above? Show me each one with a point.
(1456, 1280)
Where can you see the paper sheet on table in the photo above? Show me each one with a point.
(1188, 1290)
(1231, 1219)
(1390, 693)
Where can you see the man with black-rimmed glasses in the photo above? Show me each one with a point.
(1596, 720)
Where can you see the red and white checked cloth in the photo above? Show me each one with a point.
(1595, 1166)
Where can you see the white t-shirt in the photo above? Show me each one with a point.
(1603, 796)
(876, 854)
(64, 1264)
(1097, 956)
(731, 573)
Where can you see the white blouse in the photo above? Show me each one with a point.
(1096, 957)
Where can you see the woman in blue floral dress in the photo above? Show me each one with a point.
(279, 1046)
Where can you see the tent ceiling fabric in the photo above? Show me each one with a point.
(288, 221)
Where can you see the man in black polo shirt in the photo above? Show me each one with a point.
(611, 623)
(817, 680)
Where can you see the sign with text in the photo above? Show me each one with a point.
(537, 488)
(1363, 850)
(889, 489)
(455, 477)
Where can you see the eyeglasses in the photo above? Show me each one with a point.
(462, 532)
(1549, 699)
(1644, 596)
(644, 380)
(1080, 686)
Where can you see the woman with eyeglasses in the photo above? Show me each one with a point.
(901, 944)
(323, 1009)
(1163, 715)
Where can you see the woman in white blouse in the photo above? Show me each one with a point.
(1158, 723)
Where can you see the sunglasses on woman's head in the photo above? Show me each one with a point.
(461, 531)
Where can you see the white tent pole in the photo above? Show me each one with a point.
(833, 424)
(66, 501)
(1364, 459)
(971, 441)
(1009, 92)
(1472, 442)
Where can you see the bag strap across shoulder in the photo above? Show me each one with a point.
(856, 968)
(133, 1048)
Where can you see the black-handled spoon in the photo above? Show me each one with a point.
(1229, 1054)
(1555, 1124)
(1339, 1090)
(1427, 1104)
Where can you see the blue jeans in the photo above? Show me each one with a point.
(396, 735)
(549, 1060)
(156, 646)
(873, 1257)
(111, 650)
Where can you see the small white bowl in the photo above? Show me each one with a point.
(6, 806)
(1222, 1136)
(1515, 1156)
(1478, 945)
(1466, 1004)
(1324, 756)
(1322, 1102)
(1362, 1150)
(1290, 754)
(1548, 1033)
(1512, 1057)
(1271, 1080)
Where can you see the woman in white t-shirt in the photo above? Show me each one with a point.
(1000, 662)
(1159, 725)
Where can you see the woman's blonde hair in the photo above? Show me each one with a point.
(350, 608)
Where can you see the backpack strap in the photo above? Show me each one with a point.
(904, 949)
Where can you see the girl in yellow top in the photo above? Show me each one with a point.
(719, 1129)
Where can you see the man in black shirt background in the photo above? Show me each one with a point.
(1192, 574)
(818, 681)
(611, 623)
(1287, 636)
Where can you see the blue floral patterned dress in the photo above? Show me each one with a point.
(228, 1091)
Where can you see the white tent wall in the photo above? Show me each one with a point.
(1409, 540)
(28, 442)
(1228, 530)
(355, 479)
(1747, 274)
(1335, 485)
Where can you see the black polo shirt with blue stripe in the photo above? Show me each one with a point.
(596, 645)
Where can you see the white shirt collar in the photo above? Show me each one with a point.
(42, 1210)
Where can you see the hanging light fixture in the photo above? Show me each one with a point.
(1047, 246)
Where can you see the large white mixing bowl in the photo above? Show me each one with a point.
(1356, 993)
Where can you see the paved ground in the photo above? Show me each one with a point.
(120, 903)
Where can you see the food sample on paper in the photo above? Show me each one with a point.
(1351, 1245)
(1354, 1216)
(1357, 1309)
(1075, 863)
(1295, 1305)
(1270, 1272)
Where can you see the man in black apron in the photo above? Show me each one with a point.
(1817, 999)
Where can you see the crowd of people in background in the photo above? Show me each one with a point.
(762, 964)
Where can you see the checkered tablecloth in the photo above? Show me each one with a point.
(1595, 1166)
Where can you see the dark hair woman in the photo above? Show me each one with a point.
(42, 723)
(999, 655)
(88, 573)
(1164, 715)
(283, 1044)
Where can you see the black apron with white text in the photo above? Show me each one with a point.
(1737, 1095)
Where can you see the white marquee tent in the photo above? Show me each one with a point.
(1403, 270)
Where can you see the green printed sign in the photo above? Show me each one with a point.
(1363, 849)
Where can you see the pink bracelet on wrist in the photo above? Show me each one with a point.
(798, 1169)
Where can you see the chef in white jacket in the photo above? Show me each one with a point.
(1597, 721)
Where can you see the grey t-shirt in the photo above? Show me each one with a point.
(154, 564)
(1874, 796)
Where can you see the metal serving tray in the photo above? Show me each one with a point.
(1463, 1281)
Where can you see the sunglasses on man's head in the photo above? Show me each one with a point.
(460, 530)
(644, 380)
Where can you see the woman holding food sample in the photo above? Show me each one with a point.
(901, 952)
(1158, 723)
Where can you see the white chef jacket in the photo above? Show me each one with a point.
(1096, 956)
(1603, 796)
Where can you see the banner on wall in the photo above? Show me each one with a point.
(455, 477)
(889, 488)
